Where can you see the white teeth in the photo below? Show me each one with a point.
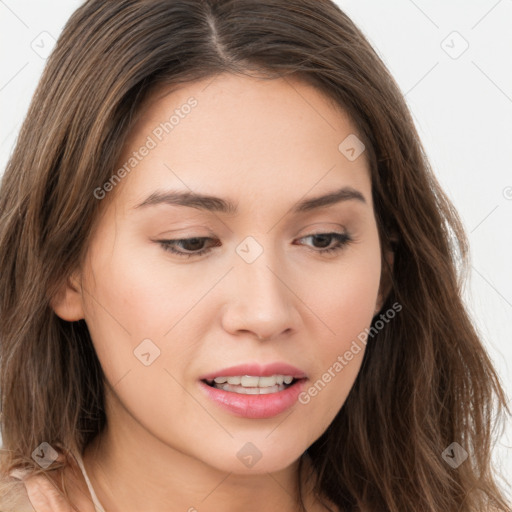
(263, 382)
(249, 382)
(251, 391)
(253, 381)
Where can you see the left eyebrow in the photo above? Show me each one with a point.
(218, 204)
(337, 196)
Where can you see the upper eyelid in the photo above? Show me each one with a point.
(309, 230)
(345, 232)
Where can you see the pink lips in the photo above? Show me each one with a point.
(256, 369)
(255, 406)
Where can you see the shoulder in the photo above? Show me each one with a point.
(14, 496)
(44, 492)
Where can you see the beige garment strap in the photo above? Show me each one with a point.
(96, 502)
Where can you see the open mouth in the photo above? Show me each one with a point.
(253, 385)
(254, 396)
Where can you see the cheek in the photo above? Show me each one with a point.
(145, 296)
(131, 305)
(344, 294)
(346, 305)
(138, 304)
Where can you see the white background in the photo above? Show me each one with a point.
(462, 108)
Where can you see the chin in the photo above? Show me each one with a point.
(254, 458)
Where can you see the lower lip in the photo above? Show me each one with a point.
(255, 406)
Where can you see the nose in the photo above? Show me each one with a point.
(261, 299)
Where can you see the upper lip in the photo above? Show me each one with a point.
(255, 369)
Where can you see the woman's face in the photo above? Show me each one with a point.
(263, 293)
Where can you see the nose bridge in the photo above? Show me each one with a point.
(262, 303)
(256, 270)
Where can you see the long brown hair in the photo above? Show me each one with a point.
(426, 380)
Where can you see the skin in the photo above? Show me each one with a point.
(265, 145)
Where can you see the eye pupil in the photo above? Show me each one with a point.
(324, 240)
(194, 244)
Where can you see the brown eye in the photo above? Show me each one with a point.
(324, 241)
(192, 246)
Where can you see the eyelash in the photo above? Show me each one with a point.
(343, 240)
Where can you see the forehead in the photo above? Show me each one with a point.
(242, 136)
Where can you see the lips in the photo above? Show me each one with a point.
(256, 370)
(258, 406)
(259, 403)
